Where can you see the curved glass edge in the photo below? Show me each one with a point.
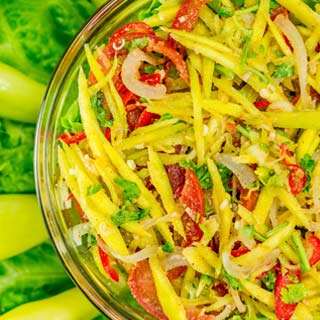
(106, 19)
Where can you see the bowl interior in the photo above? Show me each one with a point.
(113, 300)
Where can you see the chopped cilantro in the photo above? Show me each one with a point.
(94, 189)
(214, 5)
(312, 3)
(130, 189)
(205, 281)
(168, 247)
(234, 282)
(238, 3)
(225, 12)
(283, 71)
(138, 43)
(166, 116)
(151, 10)
(269, 280)
(308, 164)
(273, 4)
(71, 120)
(201, 172)
(173, 72)
(293, 293)
(122, 216)
(149, 69)
(248, 231)
(225, 175)
(100, 112)
(229, 74)
(88, 240)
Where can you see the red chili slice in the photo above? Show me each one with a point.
(107, 267)
(192, 195)
(284, 311)
(133, 115)
(188, 14)
(262, 104)
(142, 286)
(129, 97)
(107, 134)
(145, 118)
(239, 252)
(297, 178)
(151, 79)
(70, 137)
(192, 230)
(314, 242)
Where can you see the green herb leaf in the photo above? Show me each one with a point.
(138, 43)
(166, 116)
(308, 164)
(283, 71)
(201, 172)
(130, 189)
(293, 293)
(269, 280)
(273, 4)
(124, 215)
(91, 190)
(234, 282)
(225, 175)
(238, 3)
(100, 111)
(149, 69)
(168, 247)
(145, 13)
(225, 12)
(71, 120)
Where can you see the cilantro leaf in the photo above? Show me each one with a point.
(273, 4)
(238, 3)
(234, 282)
(312, 3)
(122, 216)
(71, 120)
(168, 247)
(283, 71)
(201, 172)
(94, 189)
(293, 293)
(308, 164)
(145, 13)
(100, 111)
(130, 189)
(225, 174)
(269, 280)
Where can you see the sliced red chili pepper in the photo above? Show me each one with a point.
(284, 311)
(107, 134)
(297, 178)
(107, 267)
(145, 118)
(314, 243)
(288, 43)
(262, 104)
(151, 79)
(129, 97)
(192, 195)
(295, 100)
(142, 287)
(248, 198)
(131, 27)
(286, 154)
(192, 230)
(133, 115)
(188, 14)
(91, 79)
(70, 137)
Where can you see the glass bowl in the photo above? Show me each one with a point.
(111, 300)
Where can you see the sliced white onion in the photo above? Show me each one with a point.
(135, 257)
(148, 223)
(281, 106)
(300, 54)
(243, 172)
(78, 231)
(314, 226)
(224, 314)
(273, 213)
(237, 300)
(174, 260)
(240, 272)
(130, 75)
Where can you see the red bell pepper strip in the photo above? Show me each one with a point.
(284, 311)
(70, 137)
(314, 242)
(297, 178)
(106, 265)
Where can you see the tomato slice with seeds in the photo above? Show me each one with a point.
(314, 242)
(284, 311)
(145, 118)
(142, 287)
(297, 178)
(192, 195)
(151, 79)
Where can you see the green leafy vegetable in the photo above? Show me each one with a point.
(127, 215)
(312, 3)
(293, 293)
(269, 280)
(143, 14)
(308, 164)
(225, 174)
(201, 172)
(71, 120)
(238, 3)
(34, 34)
(283, 71)
(16, 154)
(168, 247)
(234, 282)
(273, 4)
(205, 281)
(225, 12)
(100, 111)
(33, 275)
(137, 43)
(130, 189)
(93, 189)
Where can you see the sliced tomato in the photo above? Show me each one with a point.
(107, 265)
(70, 137)
(239, 252)
(176, 272)
(129, 97)
(142, 287)
(248, 198)
(297, 178)
(151, 79)
(197, 314)
(145, 118)
(188, 14)
(133, 115)
(192, 195)
(314, 242)
(176, 176)
(192, 230)
(284, 311)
